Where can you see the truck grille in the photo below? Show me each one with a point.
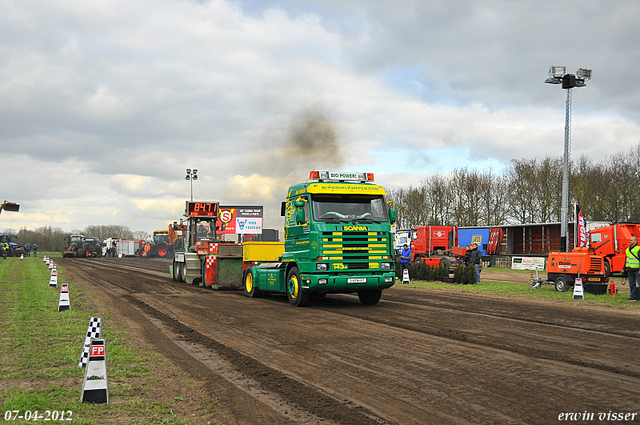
(355, 246)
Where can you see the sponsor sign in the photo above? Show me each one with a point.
(240, 220)
(528, 263)
(97, 350)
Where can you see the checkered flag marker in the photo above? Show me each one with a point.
(94, 331)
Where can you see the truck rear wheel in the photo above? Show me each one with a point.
(561, 284)
(296, 296)
(370, 297)
(250, 289)
(607, 268)
(445, 263)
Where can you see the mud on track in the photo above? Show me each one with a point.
(421, 356)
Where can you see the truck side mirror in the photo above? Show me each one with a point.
(283, 208)
(392, 215)
(300, 219)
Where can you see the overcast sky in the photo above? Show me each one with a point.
(103, 105)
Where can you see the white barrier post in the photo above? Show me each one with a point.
(94, 331)
(578, 293)
(95, 388)
(53, 280)
(63, 304)
(405, 277)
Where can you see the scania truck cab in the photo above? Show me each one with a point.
(338, 239)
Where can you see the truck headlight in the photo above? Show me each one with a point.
(386, 266)
(322, 281)
(322, 267)
(388, 279)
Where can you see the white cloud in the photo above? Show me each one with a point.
(103, 105)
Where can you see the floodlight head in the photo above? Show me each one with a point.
(187, 177)
(557, 71)
(195, 171)
(584, 74)
(194, 177)
(552, 80)
(188, 170)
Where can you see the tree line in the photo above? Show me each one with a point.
(54, 239)
(530, 191)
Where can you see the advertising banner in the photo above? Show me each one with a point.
(240, 220)
(528, 263)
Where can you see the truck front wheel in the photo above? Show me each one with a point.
(561, 284)
(296, 296)
(370, 297)
(607, 268)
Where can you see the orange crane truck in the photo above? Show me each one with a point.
(611, 242)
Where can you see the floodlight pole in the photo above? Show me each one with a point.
(564, 231)
(191, 175)
(558, 75)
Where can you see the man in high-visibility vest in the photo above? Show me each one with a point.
(632, 267)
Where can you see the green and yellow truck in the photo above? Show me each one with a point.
(338, 239)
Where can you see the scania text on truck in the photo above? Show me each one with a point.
(338, 239)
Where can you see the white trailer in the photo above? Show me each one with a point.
(127, 248)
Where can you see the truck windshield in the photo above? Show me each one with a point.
(345, 208)
(76, 239)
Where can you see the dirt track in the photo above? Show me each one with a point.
(421, 356)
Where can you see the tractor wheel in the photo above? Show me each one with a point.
(203, 276)
(296, 296)
(561, 284)
(250, 289)
(162, 250)
(183, 272)
(370, 297)
(176, 273)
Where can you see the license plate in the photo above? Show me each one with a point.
(594, 279)
(357, 280)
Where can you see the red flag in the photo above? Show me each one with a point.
(581, 228)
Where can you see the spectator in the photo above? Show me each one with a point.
(405, 259)
(475, 258)
(632, 267)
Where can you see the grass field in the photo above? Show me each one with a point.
(40, 349)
